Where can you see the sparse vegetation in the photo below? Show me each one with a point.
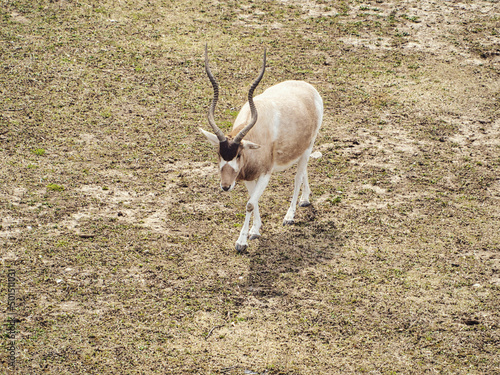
(39, 151)
(54, 187)
(126, 265)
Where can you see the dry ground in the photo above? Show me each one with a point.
(123, 244)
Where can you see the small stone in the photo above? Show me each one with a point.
(316, 155)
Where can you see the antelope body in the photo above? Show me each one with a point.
(280, 127)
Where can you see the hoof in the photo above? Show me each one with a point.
(241, 248)
(304, 204)
(254, 237)
(288, 222)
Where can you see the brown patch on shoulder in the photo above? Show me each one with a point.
(249, 173)
(254, 164)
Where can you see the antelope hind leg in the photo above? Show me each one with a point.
(304, 199)
(299, 178)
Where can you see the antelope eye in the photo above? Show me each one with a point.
(239, 156)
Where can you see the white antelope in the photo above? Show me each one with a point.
(289, 117)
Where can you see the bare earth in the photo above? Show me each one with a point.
(123, 244)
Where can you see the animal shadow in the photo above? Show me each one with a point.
(300, 246)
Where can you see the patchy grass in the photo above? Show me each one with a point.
(127, 263)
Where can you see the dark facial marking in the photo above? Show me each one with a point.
(228, 150)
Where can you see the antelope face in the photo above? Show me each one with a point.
(232, 161)
(231, 158)
(229, 163)
(228, 173)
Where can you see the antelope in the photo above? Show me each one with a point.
(272, 131)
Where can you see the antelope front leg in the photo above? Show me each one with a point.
(255, 190)
(255, 230)
(242, 244)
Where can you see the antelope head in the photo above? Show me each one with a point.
(231, 150)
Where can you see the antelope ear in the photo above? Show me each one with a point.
(212, 138)
(249, 145)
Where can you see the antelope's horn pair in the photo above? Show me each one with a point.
(253, 110)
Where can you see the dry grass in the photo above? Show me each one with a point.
(123, 244)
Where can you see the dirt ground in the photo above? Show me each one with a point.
(122, 242)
